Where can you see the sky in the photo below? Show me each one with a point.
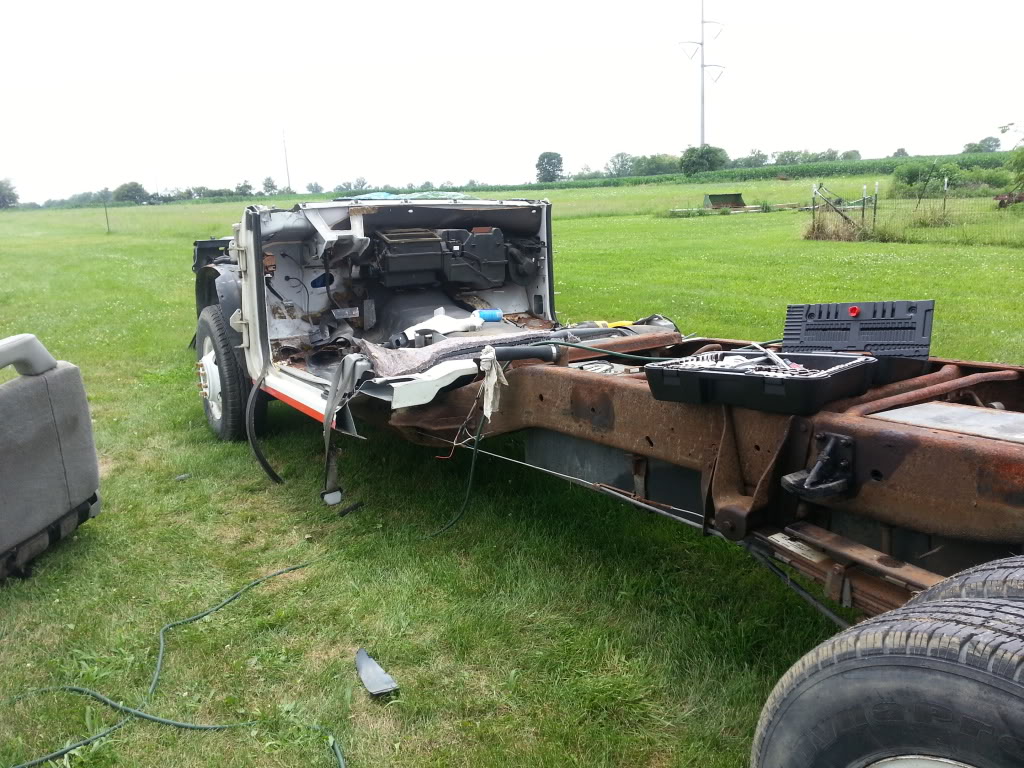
(202, 93)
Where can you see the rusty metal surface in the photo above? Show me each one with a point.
(945, 373)
(845, 584)
(936, 482)
(926, 480)
(929, 392)
(841, 548)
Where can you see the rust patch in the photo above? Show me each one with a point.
(593, 406)
(1002, 482)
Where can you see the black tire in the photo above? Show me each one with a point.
(1002, 579)
(938, 680)
(226, 418)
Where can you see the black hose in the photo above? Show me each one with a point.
(250, 431)
(608, 352)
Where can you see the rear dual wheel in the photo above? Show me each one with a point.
(934, 684)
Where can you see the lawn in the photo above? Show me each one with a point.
(550, 627)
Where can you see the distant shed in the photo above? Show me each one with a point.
(726, 200)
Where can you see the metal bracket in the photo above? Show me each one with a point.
(837, 586)
(832, 473)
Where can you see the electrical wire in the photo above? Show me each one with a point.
(137, 713)
(469, 482)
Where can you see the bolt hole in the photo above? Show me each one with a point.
(877, 476)
(649, 441)
(541, 398)
(757, 447)
(593, 410)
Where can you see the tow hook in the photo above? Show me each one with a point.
(832, 473)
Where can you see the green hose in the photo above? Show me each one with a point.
(133, 713)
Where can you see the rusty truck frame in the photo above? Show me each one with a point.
(915, 516)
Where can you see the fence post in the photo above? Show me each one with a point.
(945, 193)
(874, 213)
(863, 204)
(814, 192)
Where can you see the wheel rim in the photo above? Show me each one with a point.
(918, 761)
(209, 378)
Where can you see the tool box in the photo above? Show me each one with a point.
(816, 364)
(800, 385)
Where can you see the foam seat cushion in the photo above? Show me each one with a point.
(47, 456)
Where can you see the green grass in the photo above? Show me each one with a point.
(550, 627)
(657, 199)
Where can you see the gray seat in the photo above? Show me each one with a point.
(49, 476)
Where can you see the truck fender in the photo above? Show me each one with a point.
(222, 284)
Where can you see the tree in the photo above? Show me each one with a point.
(269, 186)
(427, 186)
(8, 195)
(132, 192)
(359, 183)
(549, 167)
(286, 191)
(345, 186)
(620, 164)
(586, 173)
(655, 165)
(245, 188)
(755, 159)
(314, 188)
(988, 144)
(901, 152)
(850, 154)
(822, 157)
(788, 157)
(705, 158)
(1016, 166)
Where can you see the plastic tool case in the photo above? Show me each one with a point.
(763, 388)
(818, 340)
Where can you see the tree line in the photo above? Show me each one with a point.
(696, 160)
(549, 168)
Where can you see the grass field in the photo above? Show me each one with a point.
(549, 628)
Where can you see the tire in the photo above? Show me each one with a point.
(223, 383)
(935, 680)
(1002, 579)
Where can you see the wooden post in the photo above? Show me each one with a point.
(105, 215)
(863, 204)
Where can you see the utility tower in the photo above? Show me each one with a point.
(703, 66)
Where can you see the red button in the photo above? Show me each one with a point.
(854, 311)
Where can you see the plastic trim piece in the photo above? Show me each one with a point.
(375, 679)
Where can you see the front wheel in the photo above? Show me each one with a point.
(932, 685)
(224, 385)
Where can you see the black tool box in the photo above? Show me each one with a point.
(820, 379)
(898, 333)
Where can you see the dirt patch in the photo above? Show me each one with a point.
(107, 466)
(278, 583)
(325, 654)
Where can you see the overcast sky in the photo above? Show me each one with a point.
(190, 93)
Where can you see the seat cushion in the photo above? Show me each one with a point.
(47, 456)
